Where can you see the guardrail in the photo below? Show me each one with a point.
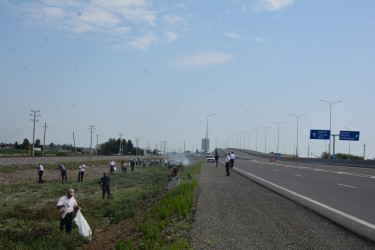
(348, 163)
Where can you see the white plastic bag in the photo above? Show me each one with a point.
(83, 227)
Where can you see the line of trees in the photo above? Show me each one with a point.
(341, 156)
(112, 146)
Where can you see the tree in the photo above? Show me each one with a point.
(130, 147)
(25, 144)
(110, 147)
(37, 143)
(16, 146)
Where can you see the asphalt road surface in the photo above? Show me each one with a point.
(344, 195)
(236, 213)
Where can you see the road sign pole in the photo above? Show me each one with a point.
(349, 150)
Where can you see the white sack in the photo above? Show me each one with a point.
(83, 227)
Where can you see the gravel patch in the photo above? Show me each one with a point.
(235, 213)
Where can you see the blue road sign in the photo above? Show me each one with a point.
(320, 134)
(349, 135)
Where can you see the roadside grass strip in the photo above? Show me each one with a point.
(166, 224)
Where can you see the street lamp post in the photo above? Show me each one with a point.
(330, 122)
(256, 139)
(278, 134)
(249, 140)
(297, 116)
(265, 139)
(207, 146)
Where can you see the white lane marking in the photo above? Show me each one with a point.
(298, 175)
(345, 185)
(275, 170)
(351, 217)
(323, 170)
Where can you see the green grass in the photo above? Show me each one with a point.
(170, 215)
(29, 218)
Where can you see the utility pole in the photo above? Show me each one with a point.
(74, 143)
(96, 147)
(44, 137)
(92, 130)
(184, 146)
(121, 145)
(136, 146)
(34, 120)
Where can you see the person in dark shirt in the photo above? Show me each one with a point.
(174, 176)
(63, 172)
(217, 159)
(105, 184)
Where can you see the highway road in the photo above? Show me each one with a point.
(345, 195)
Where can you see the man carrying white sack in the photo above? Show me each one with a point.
(67, 204)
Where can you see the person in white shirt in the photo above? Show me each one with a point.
(232, 156)
(67, 204)
(112, 166)
(40, 172)
(81, 171)
(227, 163)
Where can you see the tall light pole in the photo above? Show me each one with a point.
(330, 122)
(34, 115)
(265, 139)
(207, 130)
(297, 116)
(256, 139)
(249, 139)
(206, 147)
(278, 134)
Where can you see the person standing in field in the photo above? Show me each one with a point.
(40, 172)
(81, 171)
(112, 166)
(123, 167)
(67, 204)
(227, 163)
(232, 156)
(63, 172)
(105, 184)
(132, 165)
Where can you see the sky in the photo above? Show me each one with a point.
(158, 70)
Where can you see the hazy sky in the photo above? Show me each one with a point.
(156, 70)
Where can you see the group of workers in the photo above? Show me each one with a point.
(67, 203)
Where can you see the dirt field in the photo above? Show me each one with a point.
(27, 168)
